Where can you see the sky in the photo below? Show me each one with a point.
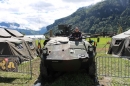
(35, 14)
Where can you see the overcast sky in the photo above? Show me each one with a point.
(38, 13)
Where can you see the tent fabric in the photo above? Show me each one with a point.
(120, 44)
(4, 33)
(26, 39)
(17, 41)
(14, 33)
(122, 35)
(127, 32)
(32, 51)
(122, 49)
(116, 49)
(17, 45)
(15, 49)
(126, 51)
(10, 40)
(30, 44)
(5, 49)
(21, 52)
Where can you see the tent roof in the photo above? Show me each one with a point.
(10, 40)
(122, 35)
(4, 33)
(25, 39)
(127, 32)
(14, 33)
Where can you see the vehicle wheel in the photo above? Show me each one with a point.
(92, 69)
(94, 54)
(94, 51)
(43, 71)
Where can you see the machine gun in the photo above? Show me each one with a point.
(64, 30)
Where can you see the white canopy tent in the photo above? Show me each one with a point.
(122, 35)
(120, 44)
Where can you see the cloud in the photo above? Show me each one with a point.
(75, 1)
(35, 14)
(41, 5)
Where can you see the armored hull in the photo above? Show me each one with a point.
(62, 54)
(67, 65)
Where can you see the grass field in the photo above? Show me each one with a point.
(102, 41)
(70, 79)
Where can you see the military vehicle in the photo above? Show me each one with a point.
(62, 54)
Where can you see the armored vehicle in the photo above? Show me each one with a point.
(62, 54)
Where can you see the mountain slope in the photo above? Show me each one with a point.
(104, 16)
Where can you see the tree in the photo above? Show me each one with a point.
(120, 29)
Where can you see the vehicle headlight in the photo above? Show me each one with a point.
(90, 48)
(71, 51)
(45, 51)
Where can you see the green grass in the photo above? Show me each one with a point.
(41, 42)
(102, 41)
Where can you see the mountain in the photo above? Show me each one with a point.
(107, 16)
(42, 30)
(32, 32)
(26, 31)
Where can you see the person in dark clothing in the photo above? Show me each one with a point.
(38, 50)
(77, 35)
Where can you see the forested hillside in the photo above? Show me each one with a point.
(103, 16)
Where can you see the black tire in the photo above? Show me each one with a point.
(92, 69)
(94, 51)
(43, 71)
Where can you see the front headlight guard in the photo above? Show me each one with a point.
(45, 51)
(90, 48)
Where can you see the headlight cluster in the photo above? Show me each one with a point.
(71, 51)
(90, 48)
(45, 51)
